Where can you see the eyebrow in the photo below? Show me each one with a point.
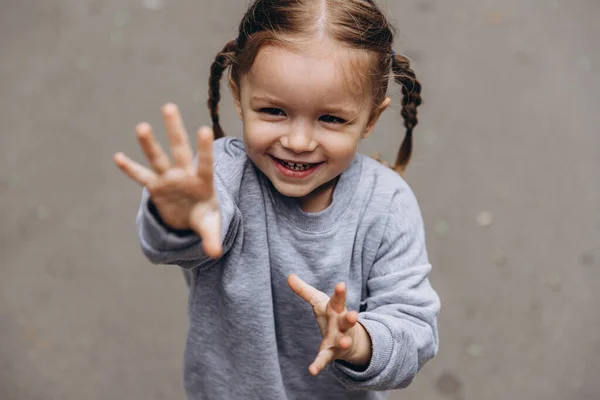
(265, 97)
(342, 110)
(329, 110)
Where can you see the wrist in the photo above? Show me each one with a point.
(154, 212)
(360, 355)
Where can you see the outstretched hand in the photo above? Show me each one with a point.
(182, 192)
(343, 337)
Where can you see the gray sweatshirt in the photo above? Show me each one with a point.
(250, 336)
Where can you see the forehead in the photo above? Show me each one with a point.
(321, 71)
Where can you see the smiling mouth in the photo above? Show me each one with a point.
(295, 166)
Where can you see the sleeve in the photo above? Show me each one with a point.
(401, 306)
(162, 245)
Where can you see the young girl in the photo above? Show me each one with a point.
(266, 228)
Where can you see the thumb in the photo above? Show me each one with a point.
(205, 220)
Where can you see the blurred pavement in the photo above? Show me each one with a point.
(506, 166)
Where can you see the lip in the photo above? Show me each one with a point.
(295, 174)
(296, 161)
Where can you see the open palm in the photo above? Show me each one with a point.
(335, 322)
(181, 190)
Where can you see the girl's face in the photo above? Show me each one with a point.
(303, 119)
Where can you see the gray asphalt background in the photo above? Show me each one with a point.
(509, 138)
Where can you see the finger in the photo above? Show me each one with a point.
(178, 138)
(347, 321)
(205, 155)
(344, 342)
(324, 357)
(135, 171)
(205, 220)
(154, 153)
(307, 292)
(338, 300)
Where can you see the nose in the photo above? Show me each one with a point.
(300, 139)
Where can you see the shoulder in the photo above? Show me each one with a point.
(399, 221)
(229, 154)
(391, 217)
(388, 193)
(230, 161)
(228, 149)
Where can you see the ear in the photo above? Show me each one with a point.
(237, 100)
(376, 114)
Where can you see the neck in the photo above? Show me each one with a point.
(319, 199)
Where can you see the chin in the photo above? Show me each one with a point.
(291, 191)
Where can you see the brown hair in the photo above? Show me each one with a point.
(359, 24)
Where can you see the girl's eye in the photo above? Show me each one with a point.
(330, 119)
(273, 111)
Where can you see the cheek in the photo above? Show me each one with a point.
(341, 146)
(259, 135)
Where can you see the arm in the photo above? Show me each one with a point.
(189, 199)
(401, 309)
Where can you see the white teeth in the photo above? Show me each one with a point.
(296, 166)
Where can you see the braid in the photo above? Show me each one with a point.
(411, 99)
(222, 61)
